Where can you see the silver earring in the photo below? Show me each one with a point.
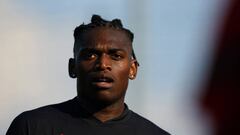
(73, 75)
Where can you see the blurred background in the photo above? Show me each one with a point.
(174, 44)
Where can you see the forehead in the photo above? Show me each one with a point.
(107, 37)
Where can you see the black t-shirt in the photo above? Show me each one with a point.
(69, 118)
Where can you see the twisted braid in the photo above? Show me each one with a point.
(97, 21)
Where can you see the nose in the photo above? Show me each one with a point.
(103, 63)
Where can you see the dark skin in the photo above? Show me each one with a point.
(103, 66)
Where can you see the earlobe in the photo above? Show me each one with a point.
(133, 70)
(132, 77)
(71, 68)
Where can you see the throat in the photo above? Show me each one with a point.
(109, 113)
(102, 112)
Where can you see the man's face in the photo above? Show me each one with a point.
(104, 64)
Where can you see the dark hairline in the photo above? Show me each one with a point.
(98, 22)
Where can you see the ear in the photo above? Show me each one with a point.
(133, 69)
(71, 68)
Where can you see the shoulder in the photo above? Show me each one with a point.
(31, 119)
(146, 125)
(51, 111)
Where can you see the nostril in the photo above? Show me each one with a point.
(103, 66)
(103, 63)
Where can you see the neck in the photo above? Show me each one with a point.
(110, 112)
(103, 112)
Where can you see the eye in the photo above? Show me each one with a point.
(117, 56)
(89, 56)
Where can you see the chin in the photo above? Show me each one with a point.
(106, 97)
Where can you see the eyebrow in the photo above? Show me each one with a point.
(111, 50)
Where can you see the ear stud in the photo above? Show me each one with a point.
(131, 76)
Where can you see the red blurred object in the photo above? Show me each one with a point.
(222, 92)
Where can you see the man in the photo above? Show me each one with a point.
(103, 63)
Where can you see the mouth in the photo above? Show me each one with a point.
(102, 82)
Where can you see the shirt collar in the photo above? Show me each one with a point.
(84, 111)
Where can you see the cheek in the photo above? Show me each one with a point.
(83, 67)
(123, 78)
(122, 70)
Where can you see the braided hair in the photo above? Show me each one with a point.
(97, 21)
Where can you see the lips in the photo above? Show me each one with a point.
(102, 82)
